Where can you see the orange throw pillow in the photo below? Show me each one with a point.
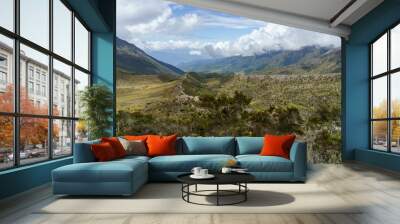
(277, 145)
(161, 145)
(103, 152)
(116, 145)
(136, 137)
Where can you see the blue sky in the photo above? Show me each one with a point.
(178, 33)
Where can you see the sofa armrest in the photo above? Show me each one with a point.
(83, 152)
(298, 155)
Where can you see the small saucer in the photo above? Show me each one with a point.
(208, 176)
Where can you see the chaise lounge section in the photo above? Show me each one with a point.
(125, 176)
(88, 177)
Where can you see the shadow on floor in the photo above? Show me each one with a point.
(256, 198)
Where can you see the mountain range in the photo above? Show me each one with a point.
(133, 60)
(309, 59)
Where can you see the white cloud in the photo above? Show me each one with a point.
(194, 52)
(267, 38)
(271, 37)
(152, 26)
(190, 20)
(170, 45)
(139, 18)
(147, 18)
(132, 13)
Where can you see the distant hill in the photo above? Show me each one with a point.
(310, 59)
(133, 60)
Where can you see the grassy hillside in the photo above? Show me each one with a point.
(193, 104)
(136, 92)
(145, 92)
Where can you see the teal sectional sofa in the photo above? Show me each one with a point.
(125, 176)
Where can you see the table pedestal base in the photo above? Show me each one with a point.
(219, 193)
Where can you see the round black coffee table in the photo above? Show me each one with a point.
(238, 179)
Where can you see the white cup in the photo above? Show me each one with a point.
(226, 170)
(203, 172)
(196, 171)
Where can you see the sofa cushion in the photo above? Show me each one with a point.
(185, 163)
(161, 145)
(249, 145)
(103, 152)
(112, 171)
(135, 137)
(257, 163)
(116, 145)
(133, 157)
(134, 147)
(278, 145)
(208, 145)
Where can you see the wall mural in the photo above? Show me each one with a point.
(198, 72)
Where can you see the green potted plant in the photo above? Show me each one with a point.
(96, 102)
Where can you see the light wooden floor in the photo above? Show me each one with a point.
(379, 189)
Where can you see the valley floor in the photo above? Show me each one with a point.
(378, 189)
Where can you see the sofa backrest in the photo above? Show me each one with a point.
(83, 152)
(207, 145)
(192, 146)
(249, 145)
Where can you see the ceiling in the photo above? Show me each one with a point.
(326, 16)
